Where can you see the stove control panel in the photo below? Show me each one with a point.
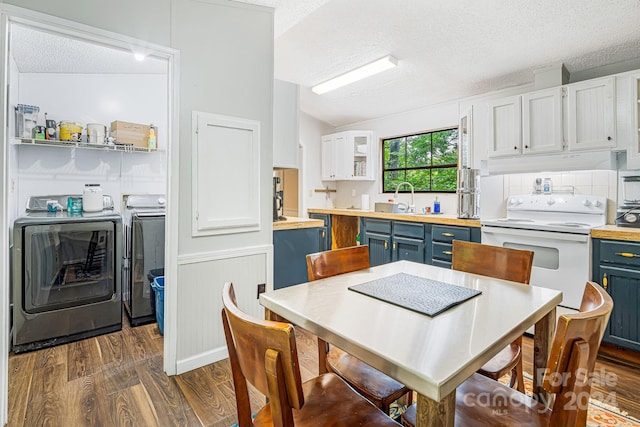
(564, 203)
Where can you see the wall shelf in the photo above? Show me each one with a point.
(80, 144)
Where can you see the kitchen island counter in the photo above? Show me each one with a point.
(425, 218)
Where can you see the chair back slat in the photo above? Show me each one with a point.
(249, 339)
(338, 261)
(493, 261)
(573, 356)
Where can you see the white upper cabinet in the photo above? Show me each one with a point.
(348, 156)
(285, 124)
(505, 135)
(591, 114)
(542, 121)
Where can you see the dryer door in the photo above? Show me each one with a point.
(68, 265)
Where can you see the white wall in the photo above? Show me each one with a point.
(435, 117)
(226, 54)
(91, 98)
(226, 67)
(311, 131)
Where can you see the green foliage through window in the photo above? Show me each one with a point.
(429, 161)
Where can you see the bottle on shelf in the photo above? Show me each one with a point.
(151, 144)
(547, 187)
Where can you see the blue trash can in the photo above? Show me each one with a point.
(158, 288)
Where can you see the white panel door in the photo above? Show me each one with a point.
(505, 129)
(542, 121)
(591, 114)
(226, 174)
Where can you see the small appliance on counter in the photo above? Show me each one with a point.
(92, 200)
(628, 214)
(468, 193)
(278, 200)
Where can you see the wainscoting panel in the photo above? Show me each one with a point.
(202, 276)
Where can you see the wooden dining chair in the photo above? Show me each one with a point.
(264, 353)
(379, 388)
(501, 263)
(481, 401)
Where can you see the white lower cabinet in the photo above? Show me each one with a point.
(348, 156)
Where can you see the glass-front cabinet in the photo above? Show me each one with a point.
(348, 156)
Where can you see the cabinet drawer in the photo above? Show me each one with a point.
(620, 252)
(443, 264)
(449, 234)
(408, 229)
(442, 251)
(378, 225)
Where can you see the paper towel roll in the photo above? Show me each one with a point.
(364, 202)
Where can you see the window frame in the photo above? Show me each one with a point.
(406, 189)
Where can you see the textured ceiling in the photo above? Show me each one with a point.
(36, 51)
(445, 49)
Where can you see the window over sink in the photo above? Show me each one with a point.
(427, 160)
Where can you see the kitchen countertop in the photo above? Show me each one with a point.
(428, 218)
(618, 233)
(292, 223)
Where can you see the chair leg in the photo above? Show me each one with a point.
(520, 379)
(323, 349)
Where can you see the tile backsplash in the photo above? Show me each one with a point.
(603, 183)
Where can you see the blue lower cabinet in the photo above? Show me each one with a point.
(379, 247)
(439, 237)
(326, 218)
(409, 249)
(623, 284)
(290, 249)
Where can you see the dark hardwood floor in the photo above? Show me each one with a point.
(117, 380)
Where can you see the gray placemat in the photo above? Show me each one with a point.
(420, 294)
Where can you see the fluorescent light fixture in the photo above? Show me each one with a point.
(139, 56)
(365, 71)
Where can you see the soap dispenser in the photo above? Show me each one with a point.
(436, 206)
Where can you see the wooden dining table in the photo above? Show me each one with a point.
(432, 355)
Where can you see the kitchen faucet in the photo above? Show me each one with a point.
(412, 206)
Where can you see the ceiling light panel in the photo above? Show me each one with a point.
(360, 73)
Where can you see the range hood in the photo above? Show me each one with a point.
(588, 160)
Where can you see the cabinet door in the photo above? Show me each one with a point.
(505, 133)
(343, 157)
(623, 285)
(325, 231)
(328, 158)
(379, 248)
(542, 121)
(405, 248)
(591, 114)
(362, 167)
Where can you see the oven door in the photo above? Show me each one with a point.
(67, 265)
(561, 260)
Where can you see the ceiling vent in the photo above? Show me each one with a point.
(550, 76)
